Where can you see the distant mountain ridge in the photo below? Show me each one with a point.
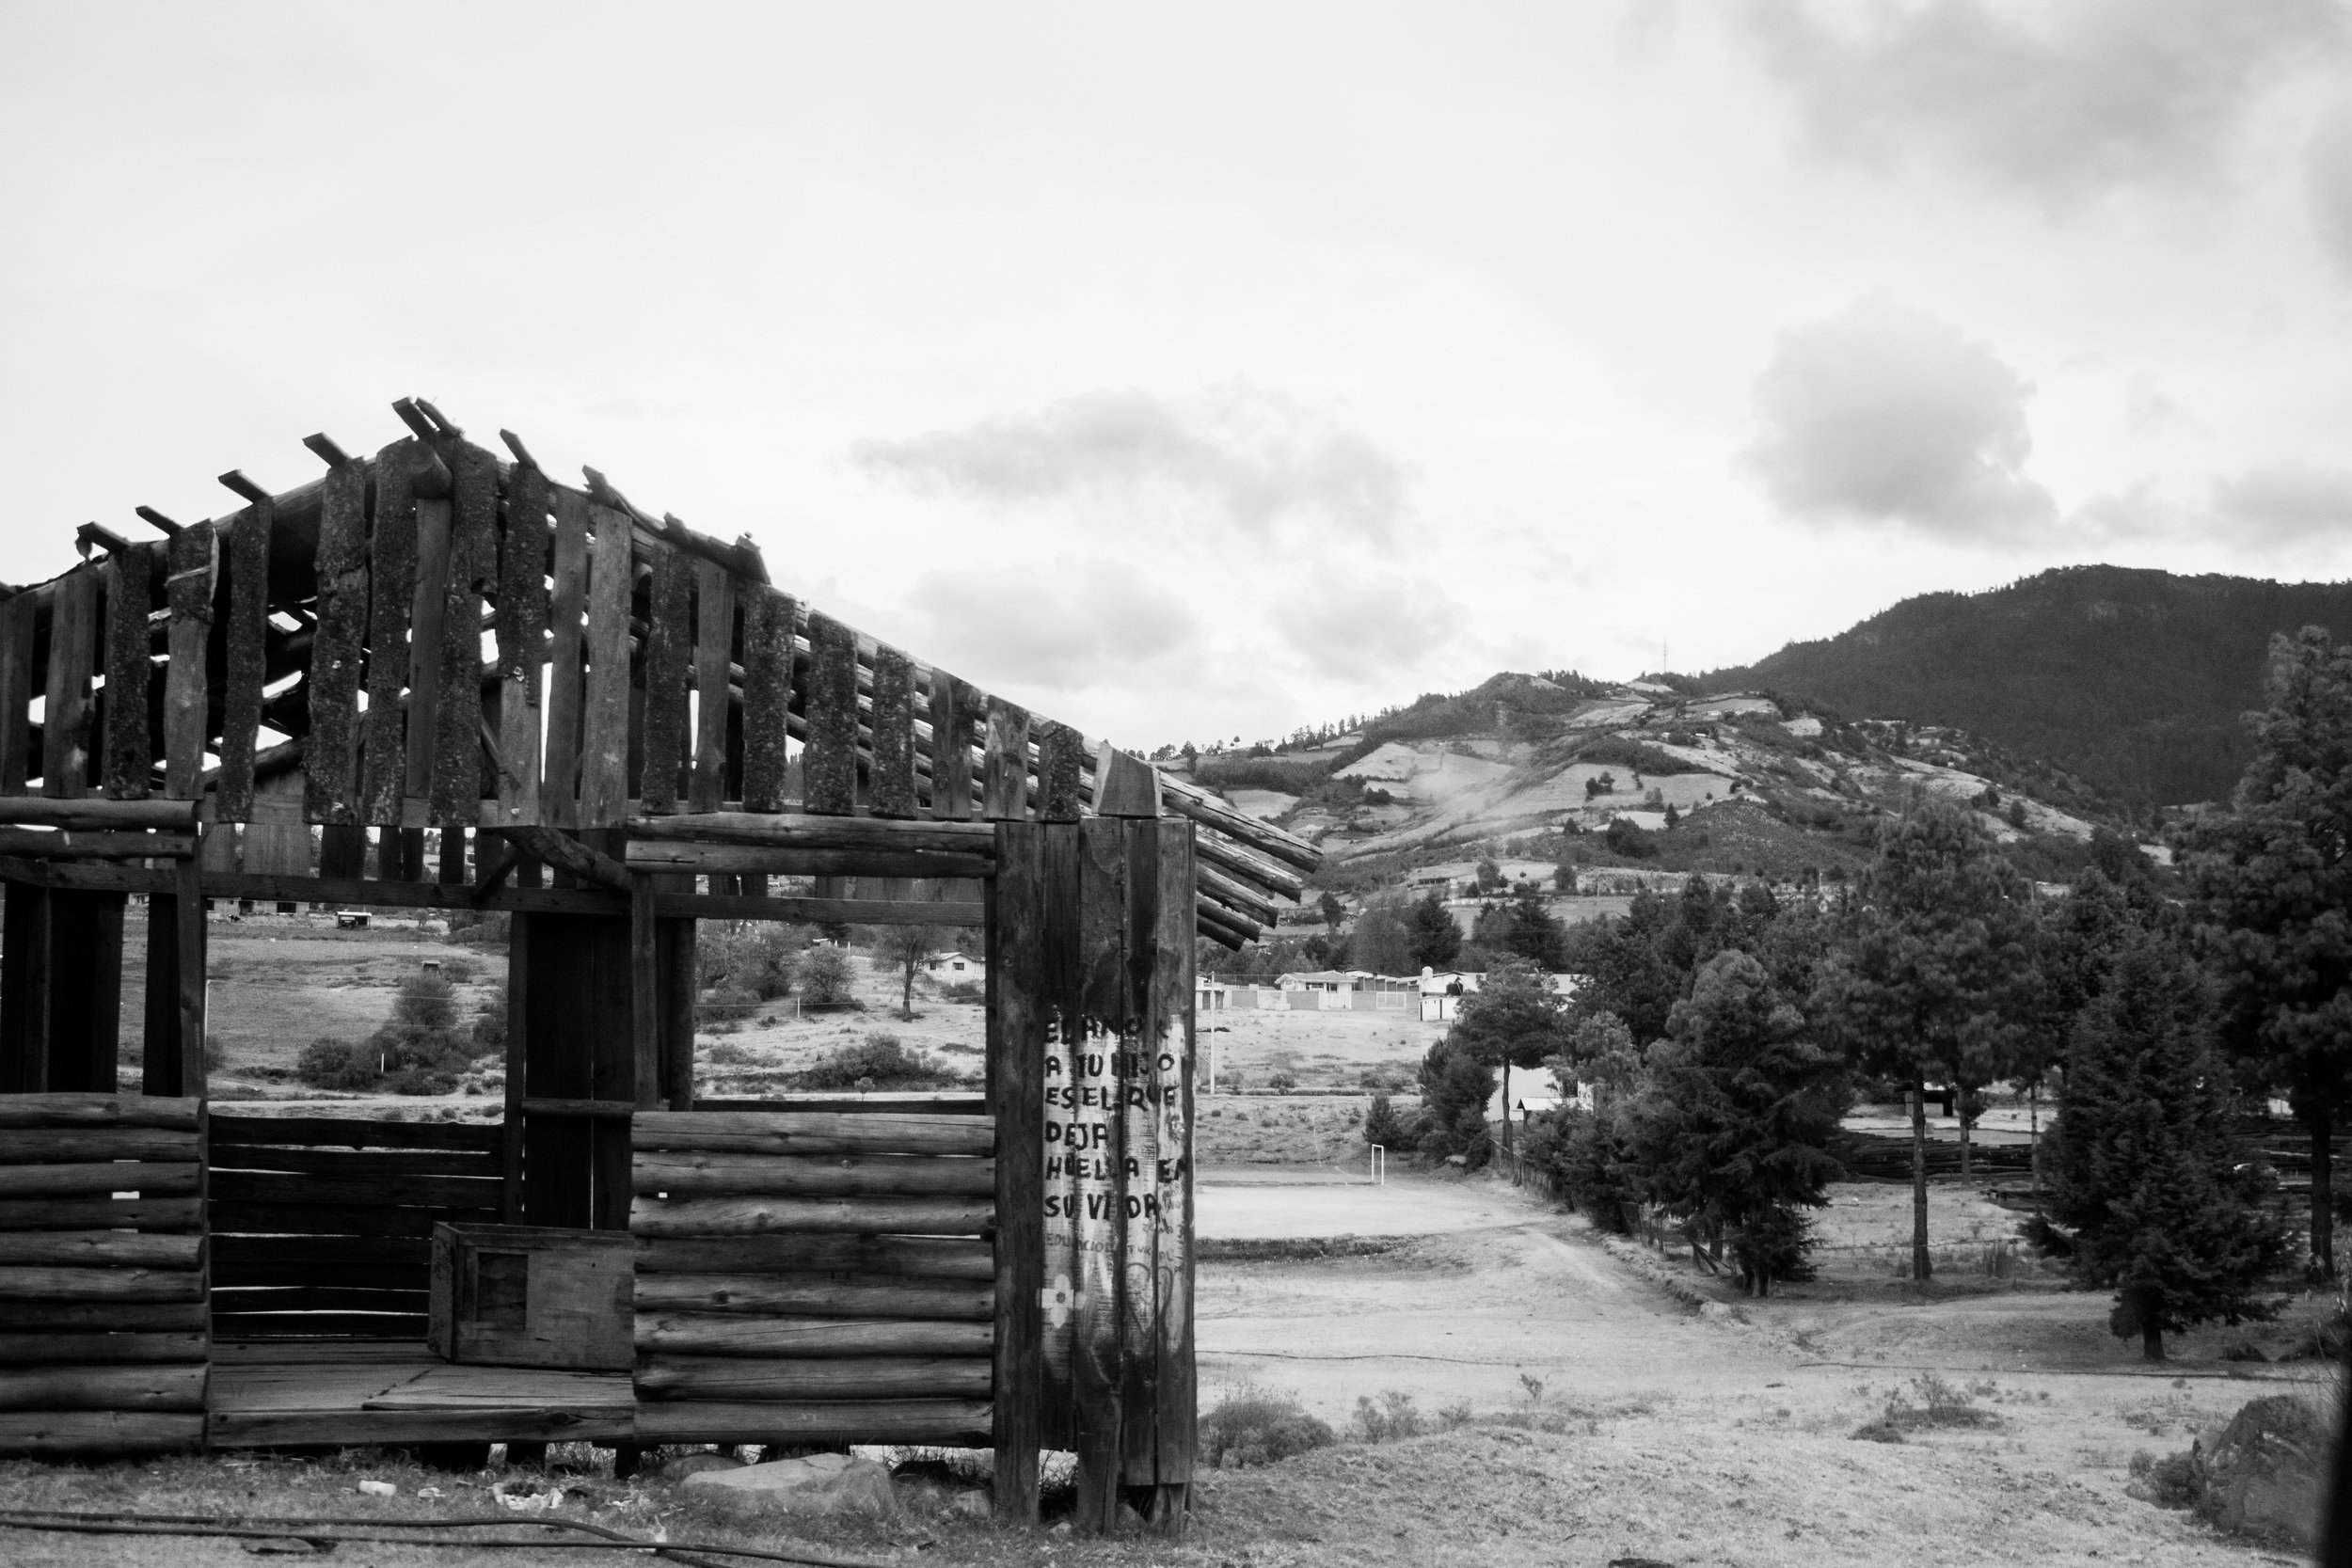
(2133, 679)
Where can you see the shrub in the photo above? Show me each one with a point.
(726, 1005)
(1383, 1126)
(426, 1000)
(490, 1024)
(876, 1062)
(1455, 1087)
(479, 930)
(964, 990)
(1252, 1425)
(2172, 1481)
(333, 1064)
(826, 978)
(1391, 1420)
(1282, 1082)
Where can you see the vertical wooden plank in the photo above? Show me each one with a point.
(892, 774)
(188, 900)
(427, 616)
(1106, 995)
(1005, 783)
(645, 993)
(194, 561)
(829, 760)
(159, 1057)
(714, 647)
(517, 1066)
(604, 753)
(25, 913)
(248, 551)
(338, 647)
(130, 594)
(392, 583)
(673, 964)
(769, 621)
(522, 643)
(1066, 1117)
(65, 711)
(16, 692)
(559, 793)
(453, 781)
(1137, 1362)
(1060, 765)
(951, 749)
(668, 641)
(1023, 1013)
(1176, 1414)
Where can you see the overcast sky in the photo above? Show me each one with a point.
(1220, 368)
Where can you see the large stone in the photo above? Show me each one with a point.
(698, 1463)
(2264, 1475)
(821, 1484)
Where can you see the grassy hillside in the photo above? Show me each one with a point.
(2132, 679)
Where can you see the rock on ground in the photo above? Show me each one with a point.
(821, 1484)
(2261, 1476)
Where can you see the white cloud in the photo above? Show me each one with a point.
(2063, 101)
(1352, 624)
(1251, 457)
(1072, 625)
(2328, 174)
(1882, 414)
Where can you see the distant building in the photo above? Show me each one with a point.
(953, 965)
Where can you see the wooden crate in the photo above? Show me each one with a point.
(525, 1295)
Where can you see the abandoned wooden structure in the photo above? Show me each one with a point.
(598, 717)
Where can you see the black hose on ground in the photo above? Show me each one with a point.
(337, 1528)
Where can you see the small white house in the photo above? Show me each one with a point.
(952, 965)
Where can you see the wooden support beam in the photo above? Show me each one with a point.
(66, 712)
(829, 760)
(645, 993)
(1020, 1021)
(769, 620)
(558, 848)
(130, 594)
(392, 589)
(455, 783)
(891, 771)
(736, 859)
(1005, 783)
(16, 692)
(33, 810)
(797, 832)
(669, 647)
(247, 547)
(714, 642)
(604, 746)
(522, 630)
(101, 845)
(338, 651)
(951, 749)
(188, 913)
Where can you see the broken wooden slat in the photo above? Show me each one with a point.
(714, 643)
(951, 749)
(667, 642)
(768, 627)
(193, 560)
(604, 746)
(893, 771)
(829, 761)
(16, 690)
(65, 711)
(453, 789)
(1060, 766)
(338, 648)
(1005, 783)
(249, 635)
(522, 635)
(130, 593)
(393, 573)
(560, 793)
(1124, 785)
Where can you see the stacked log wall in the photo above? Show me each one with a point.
(102, 1335)
(814, 1276)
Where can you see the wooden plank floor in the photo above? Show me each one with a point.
(268, 1394)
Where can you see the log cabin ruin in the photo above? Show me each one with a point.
(597, 714)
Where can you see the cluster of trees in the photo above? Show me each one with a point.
(1723, 1033)
(422, 1048)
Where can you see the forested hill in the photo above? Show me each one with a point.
(2133, 679)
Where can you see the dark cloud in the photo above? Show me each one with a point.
(1882, 414)
(1076, 625)
(2062, 101)
(1252, 457)
(2284, 502)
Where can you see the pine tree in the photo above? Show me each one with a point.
(1437, 939)
(2144, 1165)
(1732, 1124)
(2274, 884)
(1933, 973)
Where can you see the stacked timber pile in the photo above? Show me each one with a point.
(102, 1274)
(814, 1277)
(322, 1225)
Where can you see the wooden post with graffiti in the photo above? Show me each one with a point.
(1094, 1030)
